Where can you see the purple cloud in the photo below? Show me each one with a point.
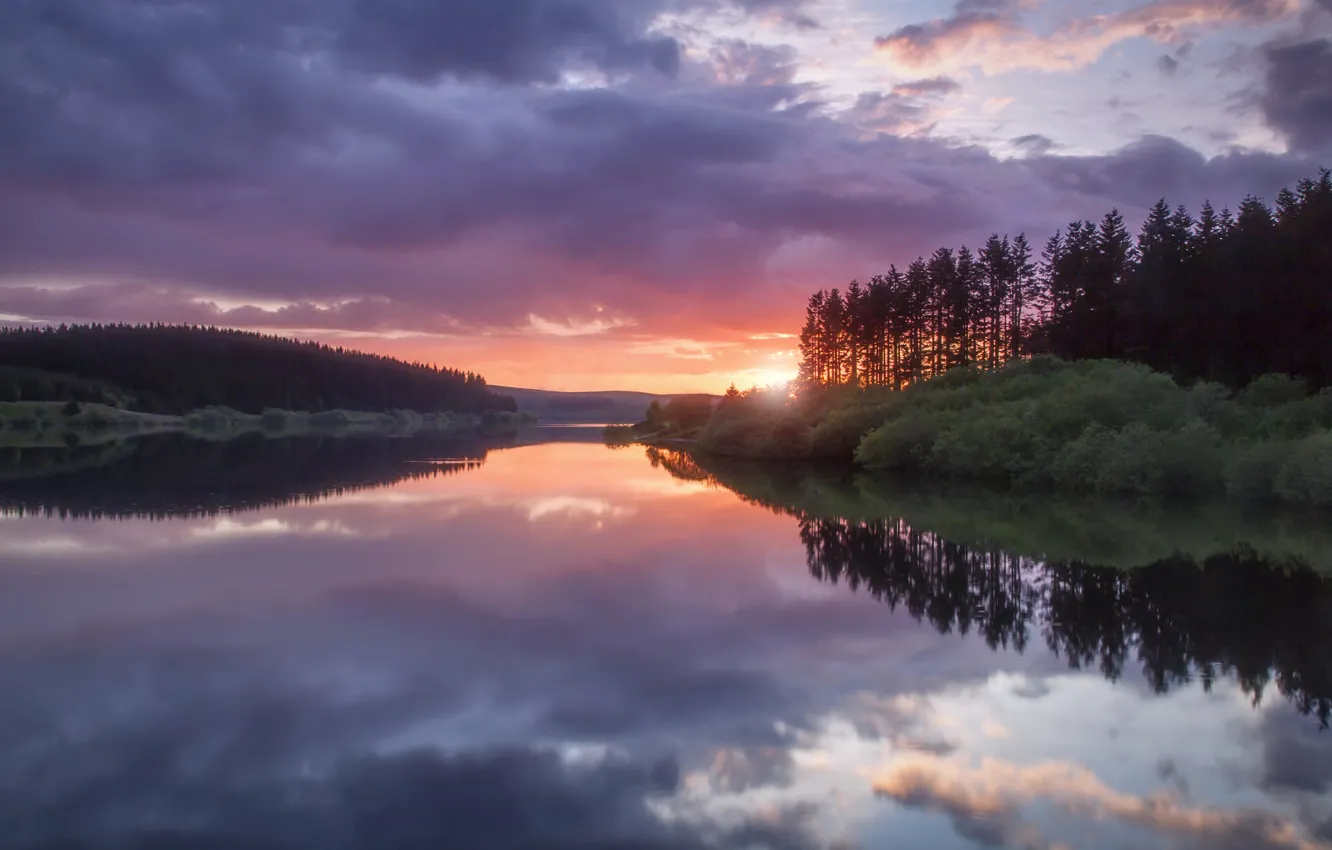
(342, 165)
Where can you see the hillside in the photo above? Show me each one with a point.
(174, 369)
(610, 407)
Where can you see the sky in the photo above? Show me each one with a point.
(587, 194)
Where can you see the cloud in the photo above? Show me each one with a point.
(892, 114)
(1296, 757)
(508, 40)
(905, 721)
(993, 36)
(1297, 95)
(483, 799)
(338, 167)
(1034, 144)
(739, 62)
(539, 325)
(1167, 167)
(926, 87)
(735, 770)
(984, 804)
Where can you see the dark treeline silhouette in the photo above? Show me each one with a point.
(175, 476)
(1180, 618)
(1223, 297)
(178, 368)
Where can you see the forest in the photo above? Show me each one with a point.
(1223, 296)
(1193, 362)
(175, 369)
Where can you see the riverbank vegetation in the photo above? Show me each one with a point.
(1187, 362)
(34, 424)
(1093, 426)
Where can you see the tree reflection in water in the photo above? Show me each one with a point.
(1239, 611)
(174, 476)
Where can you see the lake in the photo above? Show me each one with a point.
(542, 642)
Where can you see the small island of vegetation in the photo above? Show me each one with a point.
(1195, 361)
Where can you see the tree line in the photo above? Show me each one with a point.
(164, 368)
(1223, 297)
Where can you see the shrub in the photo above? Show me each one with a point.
(789, 437)
(1077, 465)
(1272, 390)
(1252, 470)
(71, 408)
(737, 436)
(1099, 426)
(840, 432)
(274, 419)
(999, 447)
(687, 412)
(1306, 476)
(904, 443)
(1192, 460)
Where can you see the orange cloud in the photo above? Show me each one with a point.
(984, 804)
(996, 40)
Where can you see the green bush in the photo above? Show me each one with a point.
(71, 408)
(1272, 391)
(1096, 426)
(903, 443)
(1077, 465)
(1000, 447)
(736, 435)
(789, 437)
(842, 429)
(1306, 476)
(1251, 472)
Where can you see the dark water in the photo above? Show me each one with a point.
(541, 642)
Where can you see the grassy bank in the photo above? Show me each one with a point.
(36, 423)
(1101, 427)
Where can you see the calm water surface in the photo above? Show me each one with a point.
(402, 644)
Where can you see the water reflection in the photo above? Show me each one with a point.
(178, 476)
(567, 648)
(1263, 619)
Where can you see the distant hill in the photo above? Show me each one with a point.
(609, 407)
(179, 368)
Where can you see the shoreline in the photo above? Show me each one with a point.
(56, 425)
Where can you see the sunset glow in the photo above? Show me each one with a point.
(640, 200)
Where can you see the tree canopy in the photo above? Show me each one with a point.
(177, 368)
(1224, 297)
